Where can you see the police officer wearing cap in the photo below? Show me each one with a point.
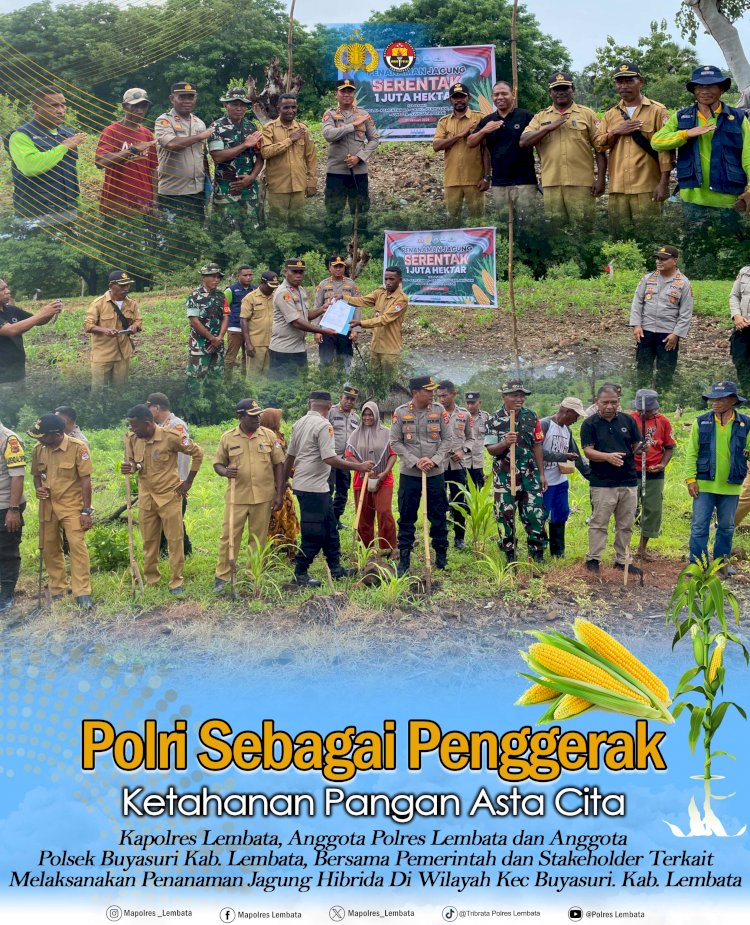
(111, 321)
(464, 167)
(12, 505)
(475, 454)
(311, 455)
(182, 162)
(638, 175)
(334, 287)
(352, 140)
(208, 315)
(455, 474)
(61, 467)
(256, 321)
(564, 135)
(234, 147)
(345, 421)
(422, 439)
(253, 457)
(291, 321)
(709, 133)
(660, 316)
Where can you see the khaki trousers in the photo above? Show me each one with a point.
(743, 506)
(153, 522)
(385, 363)
(627, 208)
(525, 198)
(456, 196)
(114, 373)
(257, 517)
(235, 345)
(568, 203)
(605, 503)
(283, 207)
(52, 551)
(259, 363)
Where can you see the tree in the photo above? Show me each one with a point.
(718, 17)
(487, 22)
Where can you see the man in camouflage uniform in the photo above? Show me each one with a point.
(208, 314)
(455, 476)
(479, 419)
(334, 287)
(344, 420)
(421, 438)
(530, 481)
(234, 147)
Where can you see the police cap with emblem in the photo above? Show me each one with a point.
(336, 260)
(422, 382)
(270, 279)
(346, 85)
(248, 406)
(182, 87)
(350, 390)
(514, 385)
(560, 79)
(295, 263)
(46, 424)
(667, 250)
(319, 395)
(121, 278)
(472, 396)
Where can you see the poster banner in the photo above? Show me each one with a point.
(405, 88)
(455, 266)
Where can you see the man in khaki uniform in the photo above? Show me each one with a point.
(252, 456)
(288, 149)
(464, 168)
(256, 321)
(12, 505)
(638, 175)
(564, 135)
(390, 303)
(334, 287)
(152, 453)
(61, 467)
(111, 321)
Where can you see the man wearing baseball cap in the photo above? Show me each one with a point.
(564, 135)
(256, 321)
(126, 153)
(560, 453)
(111, 321)
(712, 141)
(716, 466)
(234, 147)
(463, 169)
(660, 316)
(638, 175)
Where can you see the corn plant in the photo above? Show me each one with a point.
(260, 560)
(480, 516)
(502, 572)
(394, 590)
(364, 554)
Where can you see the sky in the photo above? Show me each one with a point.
(563, 21)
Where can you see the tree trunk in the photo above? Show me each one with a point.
(725, 34)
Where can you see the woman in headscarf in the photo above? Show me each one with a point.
(284, 525)
(371, 441)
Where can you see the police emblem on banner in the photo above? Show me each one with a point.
(399, 56)
(356, 55)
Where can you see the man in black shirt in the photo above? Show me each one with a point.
(513, 173)
(14, 323)
(610, 440)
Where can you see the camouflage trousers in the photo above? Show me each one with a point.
(530, 507)
(201, 365)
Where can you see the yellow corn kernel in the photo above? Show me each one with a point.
(717, 657)
(607, 646)
(578, 669)
(480, 295)
(485, 106)
(571, 706)
(537, 693)
(489, 282)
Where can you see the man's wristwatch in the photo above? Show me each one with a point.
(488, 178)
(88, 511)
(14, 509)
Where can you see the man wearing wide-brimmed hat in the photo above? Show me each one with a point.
(713, 147)
(716, 466)
(111, 320)
(234, 147)
(208, 316)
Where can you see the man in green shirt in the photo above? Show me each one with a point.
(716, 465)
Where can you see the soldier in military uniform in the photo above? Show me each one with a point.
(530, 481)
(311, 454)
(390, 303)
(479, 419)
(455, 475)
(153, 453)
(234, 147)
(291, 321)
(421, 437)
(61, 467)
(334, 287)
(111, 320)
(208, 314)
(345, 421)
(256, 321)
(352, 139)
(660, 315)
(253, 457)
(12, 505)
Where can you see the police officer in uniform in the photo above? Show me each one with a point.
(739, 342)
(334, 287)
(345, 421)
(530, 481)
(253, 457)
(479, 419)
(455, 475)
(12, 505)
(153, 453)
(352, 139)
(291, 322)
(61, 467)
(311, 454)
(422, 439)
